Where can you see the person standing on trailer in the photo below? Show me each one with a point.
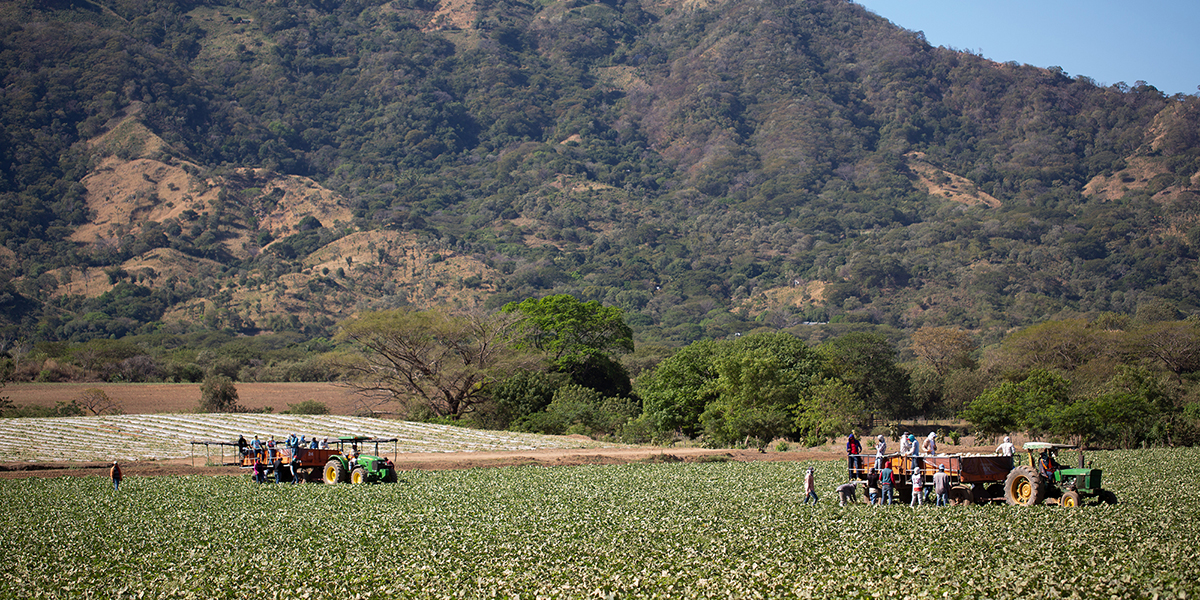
(853, 449)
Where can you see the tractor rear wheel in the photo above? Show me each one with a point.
(358, 475)
(1023, 487)
(389, 476)
(1070, 499)
(335, 471)
(1107, 497)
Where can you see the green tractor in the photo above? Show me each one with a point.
(1044, 479)
(350, 466)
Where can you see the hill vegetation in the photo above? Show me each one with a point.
(177, 174)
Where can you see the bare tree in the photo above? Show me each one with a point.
(432, 359)
(97, 402)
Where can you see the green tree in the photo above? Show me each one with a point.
(1032, 404)
(867, 362)
(431, 360)
(761, 382)
(676, 392)
(569, 331)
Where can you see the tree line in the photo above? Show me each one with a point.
(560, 365)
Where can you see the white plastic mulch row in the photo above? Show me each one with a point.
(145, 437)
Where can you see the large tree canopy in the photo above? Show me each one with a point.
(433, 360)
(570, 331)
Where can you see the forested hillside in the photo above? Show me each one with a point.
(712, 168)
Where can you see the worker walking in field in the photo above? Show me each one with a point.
(115, 473)
(810, 487)
(941, 486)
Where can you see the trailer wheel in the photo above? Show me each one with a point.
(335, 472)
(995, 490)
(1023, 487)
(1070, 499)
(960, 496)
(358, 475)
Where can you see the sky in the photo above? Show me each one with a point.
(1156, 41)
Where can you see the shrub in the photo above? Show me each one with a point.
(218, 394)
(307, 407)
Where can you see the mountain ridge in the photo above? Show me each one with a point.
(695, 163)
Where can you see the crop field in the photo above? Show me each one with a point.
(142, 437)
(680, 530)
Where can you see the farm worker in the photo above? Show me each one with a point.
(257, 447)
(846, 493)
(295, 472)
(270, 447)
(325, 444)
(873, 485)
(1047, 465)
(918, 488)
(257, 473)
(810, 487)
(115, 473)
(941, 486)
(886, 480)
(242, 445)
(853, 449)
(905, 444)
(1007, 448)
(314, 443)
(880, 451)
(913, 446)
(278, 467)
(929, 446)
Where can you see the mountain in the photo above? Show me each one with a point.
(712, 167)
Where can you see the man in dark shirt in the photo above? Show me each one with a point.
(873, 485)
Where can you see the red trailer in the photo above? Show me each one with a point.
(975, 479)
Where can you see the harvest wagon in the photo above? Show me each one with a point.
(341, 462)
(987, 478)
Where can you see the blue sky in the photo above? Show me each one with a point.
(1156, 41)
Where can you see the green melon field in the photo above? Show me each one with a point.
(680, 530)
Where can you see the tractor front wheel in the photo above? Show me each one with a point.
(335, 472)
(1023, 487)
(358, 475)
(1070, 499)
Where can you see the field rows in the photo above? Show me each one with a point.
(681, 530)
(141, 437)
